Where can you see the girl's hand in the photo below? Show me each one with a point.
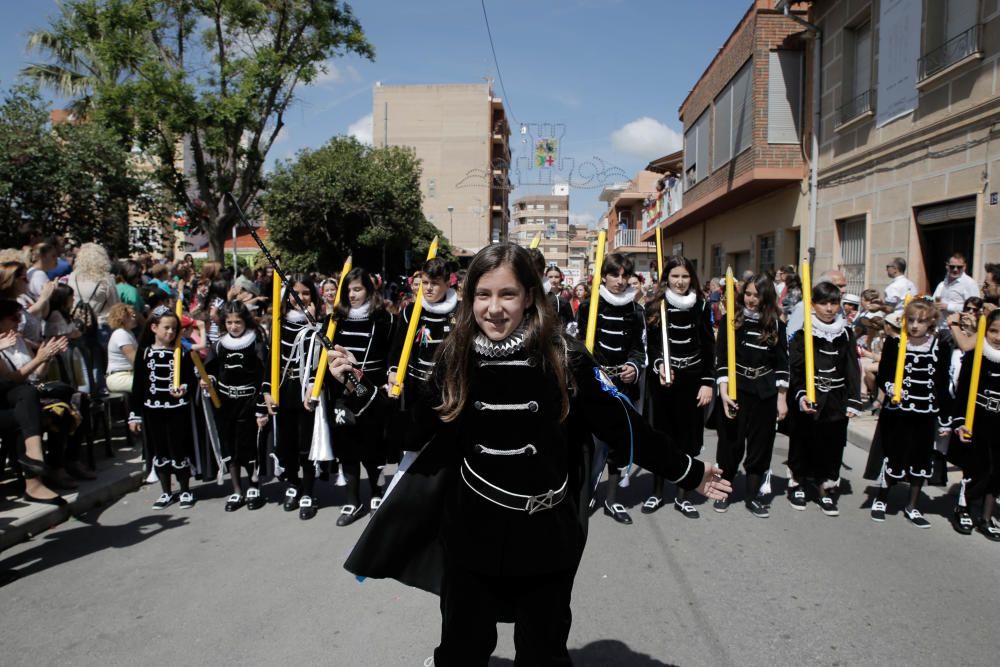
(269, 404)
(782, 406)
(964, 434)
(179, 391)
(628, 375)
(713, 486)
(135, 427)
(8, 340)
(805, 407)
(206, 382)
(729, 405)
(341, 362)
(704, 396)
(262, 421)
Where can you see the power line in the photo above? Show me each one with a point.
(496, 63)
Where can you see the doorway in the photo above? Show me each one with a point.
(944, 229)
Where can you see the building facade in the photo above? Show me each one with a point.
(548, 216)
(908, 142)
(623, 219)
(461, 136)
(738, 196)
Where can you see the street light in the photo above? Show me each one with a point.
(451, 224)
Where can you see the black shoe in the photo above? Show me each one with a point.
(962, 522)
(759, 509)
(291, 499)
(349, 514)
(990, 530)
(828, 505)
(618, 513)
(878, 511)
(33, 466)
(652, 504)
(255, 500)
(58, 501)
(234, 502)
(797, 498)
(916, 518)
(307, 509)
(186, 500)
(164, 501)
(721, 506)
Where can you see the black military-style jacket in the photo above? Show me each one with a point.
(761, 369)
(837, 374)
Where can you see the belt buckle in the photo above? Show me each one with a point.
(993, 404)
(823, 384)
(541, 502)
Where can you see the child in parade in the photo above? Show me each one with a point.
(981, 455)
(679, 388)
(908, 428)
(746, 428)
(514, 407)
(364, 329)
(819, 431)
(164, 410)
(237, 368)
(620, 349)
(300, 351)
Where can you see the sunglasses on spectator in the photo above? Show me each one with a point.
(955, 267)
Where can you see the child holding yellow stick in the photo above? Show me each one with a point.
(821, 427)
(908, 427)
(980, 441)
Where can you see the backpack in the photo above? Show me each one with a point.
(83, 315)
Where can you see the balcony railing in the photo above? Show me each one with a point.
(853, 108)
(629, 237)
(661, 207)
(955, 49)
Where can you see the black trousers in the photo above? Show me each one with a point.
(750, 433)
(816, 448)
(675, 410)
(471, 604)
(295, 430)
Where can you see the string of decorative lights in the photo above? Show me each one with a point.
(496, 63)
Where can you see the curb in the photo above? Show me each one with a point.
(859, 437)
(48, 516)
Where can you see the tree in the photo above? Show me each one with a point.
(73, 179)
(206, 84)
(347, 198)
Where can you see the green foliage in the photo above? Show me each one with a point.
(347, 198)
(72, 179)
(206, 80)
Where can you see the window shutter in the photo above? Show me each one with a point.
(784, 97)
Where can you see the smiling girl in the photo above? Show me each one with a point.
(492, 513)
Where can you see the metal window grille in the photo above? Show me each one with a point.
(852, 253)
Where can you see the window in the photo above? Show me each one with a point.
(431, 188)
(852, 252)
(765, 253)
(857, 72)
(733, 117)
(784, 97)
(696, 151)
(951, 33)
(716, 261)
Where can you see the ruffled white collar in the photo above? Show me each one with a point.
(296, 317)
(445, 305)
(751, 315)
(991, 352)
(628, 296)
(485, 347)
(679, 302)
(923, 347)
(828, 331)
(360, 313)
(546, 285)
(238, 343)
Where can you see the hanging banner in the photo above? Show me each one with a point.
(898, 59)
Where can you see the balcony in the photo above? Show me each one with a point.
(949, 56)
(667, 203)
(856, 109)
(630, 238)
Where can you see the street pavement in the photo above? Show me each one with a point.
(124, 585)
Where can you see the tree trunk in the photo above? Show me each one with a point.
(217, 242)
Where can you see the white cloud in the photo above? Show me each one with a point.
(362, 129)
(335, 74)
(583, 219)
(647, 138)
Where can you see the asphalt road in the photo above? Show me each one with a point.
(129, 586)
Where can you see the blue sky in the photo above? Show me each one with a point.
(613, 71)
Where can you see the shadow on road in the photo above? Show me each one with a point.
(63, 546)
(604, 652)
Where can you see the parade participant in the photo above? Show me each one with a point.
(908, 427)
(437, 319)
(746, 427)
(299, 353)
(982, 444)
(819, 431)
(364, 329)
(164, 411)
(552, 278)
(491, 514)
(237, 368)
(620, 349)
(679, 388)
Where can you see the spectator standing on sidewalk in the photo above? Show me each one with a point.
(899, 285)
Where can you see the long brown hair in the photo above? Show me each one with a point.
(543, 338)
(653, 305)
(770, 314)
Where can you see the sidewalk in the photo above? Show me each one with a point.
(861, 429)
(20, 520)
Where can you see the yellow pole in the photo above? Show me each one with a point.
(663, 304)
(977, 367)
(535, 241)
(897, 387)
(595, 291)
(807, 330)
(411, 330)
(275, 337)
(196, 358)
(179, 310)
(331, 329)
(730, 334)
